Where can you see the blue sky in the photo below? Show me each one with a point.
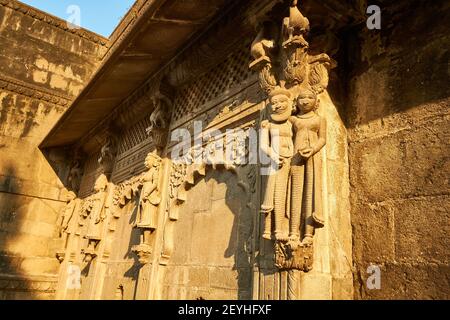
(100, 16)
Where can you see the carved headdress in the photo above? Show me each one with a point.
(280, 104)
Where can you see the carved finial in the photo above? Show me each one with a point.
(297, 20)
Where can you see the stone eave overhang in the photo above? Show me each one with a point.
(146, 39)
(151, 36)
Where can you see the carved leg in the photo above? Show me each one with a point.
(292, 289)
(66, 240)
(309, 184)
(267, 206)
(280, 202)
(296, 201)
(267, 226)
(146, 236)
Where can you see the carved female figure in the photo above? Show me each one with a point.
(306, 189)
(150, 197)
(276, 143)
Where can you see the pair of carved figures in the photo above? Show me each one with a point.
(292, 137)
(293, 143)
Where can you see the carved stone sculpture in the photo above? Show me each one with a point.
(261, 50)
(150, 197)
(95, 210)
(292, 137)
(75, 173)
(64, 223)
(306, 170)
(147, 213)
(276, 143)
(107, 154)
(159, 120)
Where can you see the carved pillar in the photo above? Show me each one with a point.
(153, 195)
(96, 214)
(97, 206)
(293, 135)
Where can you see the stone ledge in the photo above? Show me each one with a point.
(53, 21)
(39, 283)
(32, 91)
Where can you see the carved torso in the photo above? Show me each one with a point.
(306, 130)
(282, 131)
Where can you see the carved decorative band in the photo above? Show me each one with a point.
(32, 284)
(32, 91)
(131, 162)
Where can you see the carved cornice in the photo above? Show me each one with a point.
(28, 283)
(134, 106)
(127, 24)
(53, 21)
(33, 91)
(130, 111)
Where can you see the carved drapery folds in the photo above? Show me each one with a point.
(292, 137)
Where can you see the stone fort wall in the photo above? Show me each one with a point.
(398, 120)
(391, 93)
(43, 67)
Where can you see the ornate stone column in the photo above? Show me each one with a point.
(300, 194)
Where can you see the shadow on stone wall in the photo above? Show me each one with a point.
(13, 283)
(241, 233)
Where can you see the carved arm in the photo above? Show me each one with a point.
(265, 141)
(322, 136)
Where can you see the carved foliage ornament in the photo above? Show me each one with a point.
(292, 79)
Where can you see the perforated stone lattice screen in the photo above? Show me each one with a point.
(226, 75)
(88, 180)
(134, 136)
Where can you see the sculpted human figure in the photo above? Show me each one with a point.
(306, 189)
(277, 144)
(97, 208)
(150, 197)
(75, 174)
(66, 216)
